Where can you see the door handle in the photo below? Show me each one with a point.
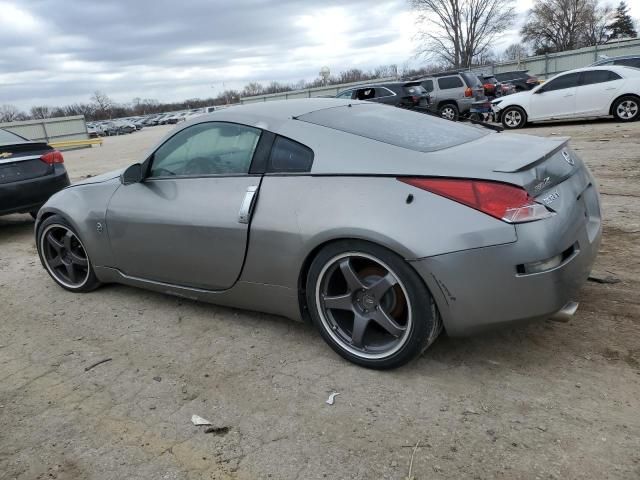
(247, 204)
(568, 95)
(611, 88)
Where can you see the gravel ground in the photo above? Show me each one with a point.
(549, 400)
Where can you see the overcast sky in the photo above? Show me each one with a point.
(60, 51)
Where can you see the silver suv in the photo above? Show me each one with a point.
(453, 94)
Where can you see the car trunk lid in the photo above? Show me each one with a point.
(22, 161)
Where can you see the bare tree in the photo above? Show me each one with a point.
(103, 103)
(11, 113)
(459, 31)
(252, 88)
(558, 25)
(40, 112)
(515, 51)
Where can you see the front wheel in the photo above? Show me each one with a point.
(369, 305)
(449, 112)
(514, 117)
(64, 256)
(626, 109)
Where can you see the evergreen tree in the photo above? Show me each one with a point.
(622, 25)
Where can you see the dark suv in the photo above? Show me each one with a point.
(519, 79)
(400, 94)
(454, 94)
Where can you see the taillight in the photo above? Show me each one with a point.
(415, 99)
(54, 156)
(503, 201)
(468, 92)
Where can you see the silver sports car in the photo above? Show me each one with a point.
(380, 225)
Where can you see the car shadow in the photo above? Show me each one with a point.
(15, 225)
(567, 123)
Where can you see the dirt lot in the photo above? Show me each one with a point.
(551, 400)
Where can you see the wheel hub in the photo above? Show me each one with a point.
(366, 302)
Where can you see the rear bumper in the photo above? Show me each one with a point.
(29, 195)
(481, 288)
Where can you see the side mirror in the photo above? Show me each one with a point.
(133, 174)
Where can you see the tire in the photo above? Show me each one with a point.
(626, 109)
(63, 255)
(383, 295)
(449, 111)
(513, 117)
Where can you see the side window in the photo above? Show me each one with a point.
(565, 81)
(289, 156)
(365, 93)
(346, 94)
(597, 76)
(428, 85)
(383, 92)
(449, 82)
(212, 148)
(628, 62)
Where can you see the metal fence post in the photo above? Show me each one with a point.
(546, 65)
(44, 129)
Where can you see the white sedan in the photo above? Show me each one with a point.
(583, 93)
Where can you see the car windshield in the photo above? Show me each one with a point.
(395, 126)
(7, 137)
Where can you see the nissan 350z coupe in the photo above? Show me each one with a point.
(381, 225)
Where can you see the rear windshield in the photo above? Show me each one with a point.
(395, 126)
(471, 79)
(7, 137)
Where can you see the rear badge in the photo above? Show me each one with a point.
(552, 197)
(568, 158)
(5, 154)
(542, 184)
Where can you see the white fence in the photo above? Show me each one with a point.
(543, 66)
(50, 129)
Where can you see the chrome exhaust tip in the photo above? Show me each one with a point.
(566, 312)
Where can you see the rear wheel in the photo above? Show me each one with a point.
(64, 256)
(627, 109)
(449, 111)
(369, 305)
(514, 117)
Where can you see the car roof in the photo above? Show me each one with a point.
(278, 110)
(614, 68)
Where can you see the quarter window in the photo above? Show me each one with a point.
(449, 82)
(288, 156)
(345, 94)
(428, 85)
(212, 148)
(569, 80)
(598, 76)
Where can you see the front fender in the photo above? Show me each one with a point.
(84, 207)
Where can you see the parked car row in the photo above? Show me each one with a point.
(609, 87)
(128, 125)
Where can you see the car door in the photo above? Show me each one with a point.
(555, 99)
(428, 85)
(596, 90)
(187, 222)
